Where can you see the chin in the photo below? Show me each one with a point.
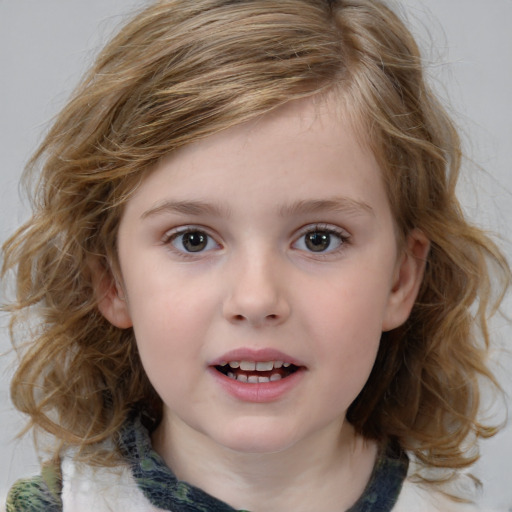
(255, 438)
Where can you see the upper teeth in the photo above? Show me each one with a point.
(260, 366)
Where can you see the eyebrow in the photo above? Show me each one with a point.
(301, 207)
(334, 204)
(194, 208)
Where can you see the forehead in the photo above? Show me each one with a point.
(303, 152)
(302, 130)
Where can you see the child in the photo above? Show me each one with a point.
(254, 285)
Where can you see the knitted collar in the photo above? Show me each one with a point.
(165, 491)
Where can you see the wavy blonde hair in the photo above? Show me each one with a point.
(180, 71)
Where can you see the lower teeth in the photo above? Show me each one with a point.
(254, 379)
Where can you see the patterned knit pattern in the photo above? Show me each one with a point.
(38, 493)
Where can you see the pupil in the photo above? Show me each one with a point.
(318, 241)
(194, 241)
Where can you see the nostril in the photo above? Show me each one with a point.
(243, 318)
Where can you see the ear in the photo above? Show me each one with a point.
(407, 280)
(110, 296)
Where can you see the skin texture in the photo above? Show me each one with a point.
(255, 193)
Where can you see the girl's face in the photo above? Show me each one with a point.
(259, 268)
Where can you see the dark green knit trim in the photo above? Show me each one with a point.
(156, 480)
(38, 494)
(164, 490)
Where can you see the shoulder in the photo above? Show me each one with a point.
(100, 489)
(40, 493)
(73, 486)
(417, 498)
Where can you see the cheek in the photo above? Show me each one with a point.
(171, 317)
(351, 308)
(160, 300)
(167, 344)
(346, 322)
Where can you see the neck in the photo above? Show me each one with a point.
(325, 472)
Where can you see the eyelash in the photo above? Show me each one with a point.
(172, 236)
(325, 229)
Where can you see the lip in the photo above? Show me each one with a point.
(257, 392)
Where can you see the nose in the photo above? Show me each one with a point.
(256, 292)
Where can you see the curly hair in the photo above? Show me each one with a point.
(180, 71)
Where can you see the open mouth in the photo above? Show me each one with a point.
(256, 372)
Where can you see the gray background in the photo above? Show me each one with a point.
(45, 45)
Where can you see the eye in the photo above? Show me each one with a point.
(192, 241)
(320, 240)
